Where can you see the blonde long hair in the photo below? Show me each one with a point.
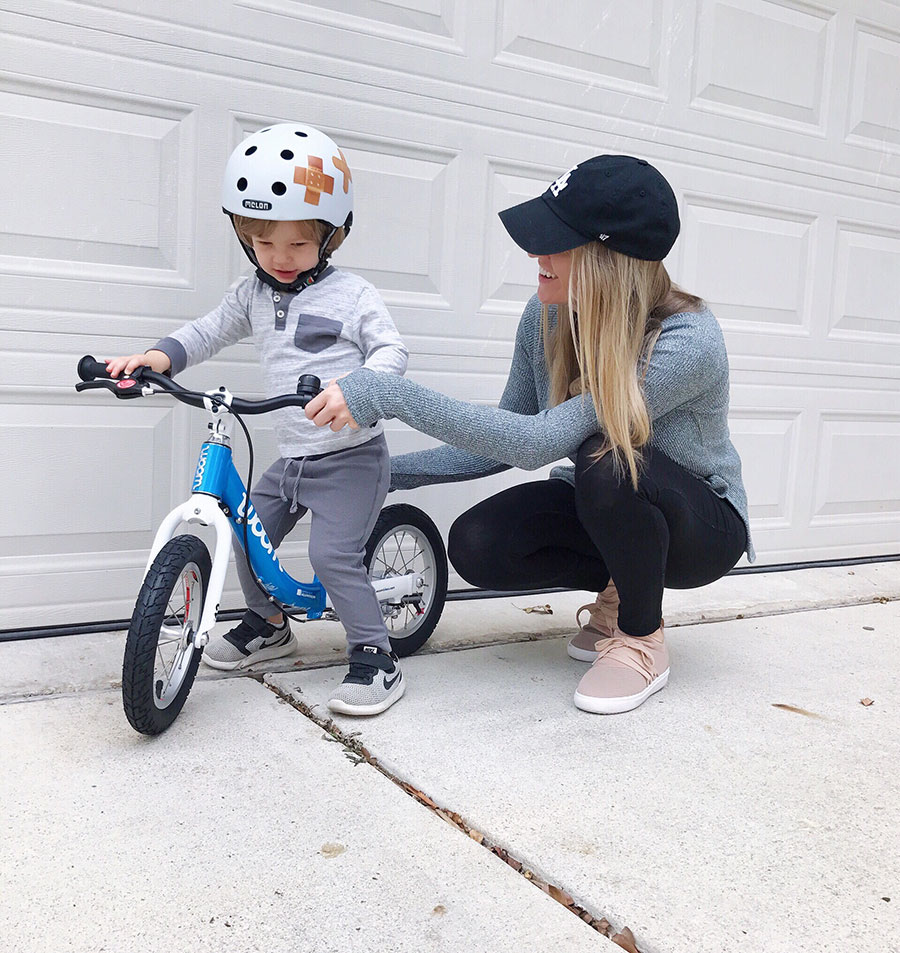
(603, 339)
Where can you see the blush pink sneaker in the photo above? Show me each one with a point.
(627, 671)
(604, 614)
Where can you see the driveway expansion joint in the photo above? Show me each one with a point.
(356, 752)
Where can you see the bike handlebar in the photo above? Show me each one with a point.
(94, 374)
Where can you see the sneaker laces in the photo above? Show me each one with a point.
(604, 610)
(628, 650)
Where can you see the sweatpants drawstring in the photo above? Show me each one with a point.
(294, 501)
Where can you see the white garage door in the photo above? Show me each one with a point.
(777, 122)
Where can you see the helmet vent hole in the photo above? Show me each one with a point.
(302, 135)
(266, 129)
(250, 151)
(279, 188)
(241, 184)
(287, 154)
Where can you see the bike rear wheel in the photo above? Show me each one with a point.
(405, 540)
(161, 655)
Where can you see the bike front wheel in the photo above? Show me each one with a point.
(405, 540)
(161, 654)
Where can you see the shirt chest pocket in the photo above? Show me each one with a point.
(315, 332)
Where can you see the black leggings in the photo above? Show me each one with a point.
(674, 531)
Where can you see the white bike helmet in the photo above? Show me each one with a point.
(289, 172)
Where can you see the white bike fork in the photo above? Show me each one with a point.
(204, 510)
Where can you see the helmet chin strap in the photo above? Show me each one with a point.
(305, 278)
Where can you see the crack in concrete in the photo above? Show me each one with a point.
(356, 752)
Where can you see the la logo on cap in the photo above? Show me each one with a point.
(562, 182)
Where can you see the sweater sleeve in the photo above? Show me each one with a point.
(377, 335)
(199, 340)
(449, 464)
(518, 440)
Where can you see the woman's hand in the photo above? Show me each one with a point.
(155, 360)
(330, 409)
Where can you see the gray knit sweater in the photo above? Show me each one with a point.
(686, 389)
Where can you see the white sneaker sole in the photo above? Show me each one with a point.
(580, 655)
(615, 706)
(341, 707)
(263, 655)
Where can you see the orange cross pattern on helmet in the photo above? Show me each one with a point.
(314, 179)
(341, 163)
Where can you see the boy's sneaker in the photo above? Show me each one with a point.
(604, 614)
(627, 671)
(372, 685)
(252, 640)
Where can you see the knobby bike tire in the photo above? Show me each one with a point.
(139, 687)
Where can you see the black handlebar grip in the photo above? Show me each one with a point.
(89, 369)
(309, 386)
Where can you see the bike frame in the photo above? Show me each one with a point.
(219, 499)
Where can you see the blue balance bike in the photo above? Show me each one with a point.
(177, 604)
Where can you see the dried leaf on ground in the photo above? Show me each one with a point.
(867, 701)
(332, 850)
(541, 610)
(420, 795)
(560, 896)
(795, 710)
(451, 817)
(476, 836)
(625, 939)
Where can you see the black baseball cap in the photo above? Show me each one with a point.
(620, 201)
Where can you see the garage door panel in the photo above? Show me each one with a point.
(96, 187)
(752, 262)
(853, 485)
(818, 453)
(866, 284)
(791, 271)
(616, 44)
(769, 445)
(791, 90)
(73, 470)
(407, 196)
(421, 21)
(873, 119)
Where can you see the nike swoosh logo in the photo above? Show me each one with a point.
(389, 682)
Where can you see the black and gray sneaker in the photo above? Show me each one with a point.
(252, 640)
(372, 685)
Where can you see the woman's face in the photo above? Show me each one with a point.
(553, 277)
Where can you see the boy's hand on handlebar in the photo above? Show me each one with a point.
(330, 409)
(155, 360)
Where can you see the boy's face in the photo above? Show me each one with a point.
(286, 251)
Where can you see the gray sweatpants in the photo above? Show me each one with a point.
(344, 491)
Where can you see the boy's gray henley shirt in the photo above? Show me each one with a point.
(337, 325)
